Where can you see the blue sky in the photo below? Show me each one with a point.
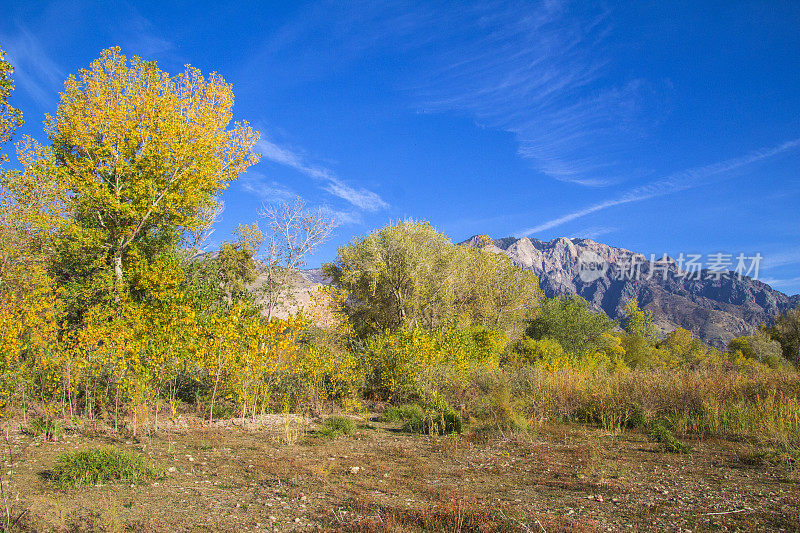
(655, 126)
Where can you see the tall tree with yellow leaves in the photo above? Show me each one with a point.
(143, 153)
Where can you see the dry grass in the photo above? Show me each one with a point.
(717, 402)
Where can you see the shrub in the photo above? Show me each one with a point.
(667, 441)
(45, 427)
(101, 465)
(570, 321)
(335, 426)
(435, 422)
(402, 413)
(759, 347)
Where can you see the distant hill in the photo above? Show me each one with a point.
(715, 310)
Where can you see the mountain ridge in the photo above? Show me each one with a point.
(715, 305)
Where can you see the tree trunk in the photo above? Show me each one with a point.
(117, 269)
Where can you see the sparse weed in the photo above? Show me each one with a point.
(775, 456)
(446, 514)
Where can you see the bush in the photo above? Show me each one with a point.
(759, 347)
(101, 465)
(660, 434)
(45, 427)
(335, 426)
(569, 321)
(405, 412)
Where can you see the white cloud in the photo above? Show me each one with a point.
(790, 283)
(342, 218)
(269, 190)
(679, 181)
(788, 257)
(539, 72)
(361, 198)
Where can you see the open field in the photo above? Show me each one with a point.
(553, 478)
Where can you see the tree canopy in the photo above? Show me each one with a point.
(143, 154)
(411, 274)
(569, 321)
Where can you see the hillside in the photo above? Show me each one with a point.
(715, 310)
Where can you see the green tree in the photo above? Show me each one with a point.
(569, 321)
(410, 274)
(786, 331)
(760, 347)
(680, 347)
(639, 323)
(396, 275)
(144, 154)
(493, 292)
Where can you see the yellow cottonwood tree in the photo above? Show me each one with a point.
(145, 153)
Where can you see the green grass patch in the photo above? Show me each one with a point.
(666, 440)
(101, 465)
(335, 426)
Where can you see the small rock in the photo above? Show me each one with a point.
(297, 520)
(273, 518)
(355, 469)
(172, 469)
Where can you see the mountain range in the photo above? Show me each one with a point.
(714, 303)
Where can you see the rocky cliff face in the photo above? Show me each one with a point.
(715, 306)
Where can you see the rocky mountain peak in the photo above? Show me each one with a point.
(715, 309)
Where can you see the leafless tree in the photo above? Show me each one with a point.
(293, 231)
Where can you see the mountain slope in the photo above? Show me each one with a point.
(715, 310)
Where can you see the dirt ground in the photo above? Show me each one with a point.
(237, 477)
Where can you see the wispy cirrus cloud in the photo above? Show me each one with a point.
(269, 190)
(779, 259)
(359, 197)
(34, 69)
(539, 72)
(342, 218)
(790, 283)
(679, 181)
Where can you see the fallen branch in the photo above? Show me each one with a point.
(729, 512)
